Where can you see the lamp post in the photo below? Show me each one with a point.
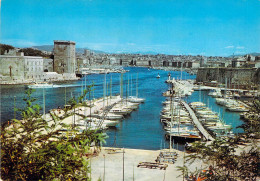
(43, 103)
(14, 108)
(104, 167)
(123, 164)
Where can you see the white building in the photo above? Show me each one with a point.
(33, 68)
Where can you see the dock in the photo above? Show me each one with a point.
(198, 124)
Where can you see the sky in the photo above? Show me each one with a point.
(176, 27)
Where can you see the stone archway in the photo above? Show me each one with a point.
(165, 63)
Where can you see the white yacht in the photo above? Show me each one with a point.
(216, 93)
(135, 99)
(41, 85)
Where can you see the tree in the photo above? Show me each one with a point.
(4, 47)
(34, 52)
(36, 149)
(252, 122)
(223, 156)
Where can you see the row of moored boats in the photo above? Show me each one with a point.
(177, 122)
(210, 120)
(228, 100)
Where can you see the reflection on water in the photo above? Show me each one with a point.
(142, 129)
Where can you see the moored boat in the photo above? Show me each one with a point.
(41, 85)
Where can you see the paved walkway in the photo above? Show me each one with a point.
(197, 122)
(110, 166)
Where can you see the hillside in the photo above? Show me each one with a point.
(49, 48)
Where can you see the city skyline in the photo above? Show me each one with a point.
(206, 27)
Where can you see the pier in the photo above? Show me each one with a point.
(203, 131)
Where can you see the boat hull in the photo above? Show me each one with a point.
(182, 138)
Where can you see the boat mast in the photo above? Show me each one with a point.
(181, 70)
(179, 98)
(104, 93)
(93, 90)
(107, 94)
(43, 103)
(128, 86)
(137, 85)
(81, 86)
(131, 85)
(171, 123)
(111, 87)
(121, 86)
(85, 82)
(171, 108)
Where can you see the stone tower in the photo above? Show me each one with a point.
(64, 57)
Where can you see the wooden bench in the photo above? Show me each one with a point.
(168, 154)
(165, 159)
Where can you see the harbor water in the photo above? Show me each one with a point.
(142, 129)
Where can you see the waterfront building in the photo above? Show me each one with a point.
(233, 77)
(64, 57)
(21, 68)
(33, 68)
(238, 62)
(48, 65)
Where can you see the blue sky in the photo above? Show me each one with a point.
(205, 27)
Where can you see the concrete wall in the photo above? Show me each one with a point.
(21, 68)
(11, 67)
(64, 57)
(236, 76)
(48, 65)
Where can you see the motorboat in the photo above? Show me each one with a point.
(120, 110)
(114, 116)
(105, 122)
(216, 93)
(183, 134)
(135, 99)
(237, 109)
(158, 76)
(41, 85)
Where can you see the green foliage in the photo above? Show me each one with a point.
(224, 161)
(33, 52)
(74, 102)
(225, 157)
(36, 149)
(251, 126)
(4, 47)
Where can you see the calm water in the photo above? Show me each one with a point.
(142, 129)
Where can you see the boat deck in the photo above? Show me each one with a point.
(197, 123)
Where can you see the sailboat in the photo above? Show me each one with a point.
(158, 76)
(136, 99)
(180, 129)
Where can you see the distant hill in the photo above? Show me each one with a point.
(146, 53)
(254, 54)
(49, 48)
(81, 50)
